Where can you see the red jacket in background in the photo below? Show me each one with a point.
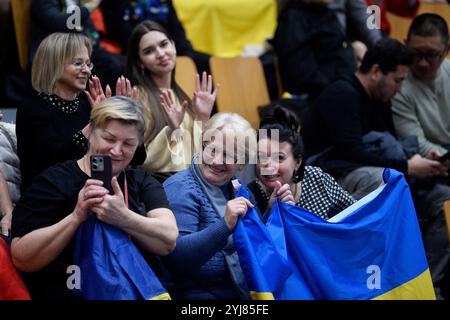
(11, 285)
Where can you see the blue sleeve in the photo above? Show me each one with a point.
(194, 246)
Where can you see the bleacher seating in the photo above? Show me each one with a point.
(242, 86)
(185, 74)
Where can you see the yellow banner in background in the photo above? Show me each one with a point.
(225, 27)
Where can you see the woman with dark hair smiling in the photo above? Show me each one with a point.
(281, 172)
(174, 120)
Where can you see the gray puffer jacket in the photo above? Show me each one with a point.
(9, 162)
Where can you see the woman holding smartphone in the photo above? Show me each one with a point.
(49, 213)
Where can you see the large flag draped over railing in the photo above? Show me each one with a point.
(111, 266)
(371, 250)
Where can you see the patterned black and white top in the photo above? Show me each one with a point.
(321, 194)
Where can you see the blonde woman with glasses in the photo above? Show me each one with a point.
(52, 125)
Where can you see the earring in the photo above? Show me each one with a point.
(296, 176)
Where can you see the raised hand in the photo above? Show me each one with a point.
(123, 88)
(236, 208)
(174, 112)
(95, 93)
(204, 96)
(282, 192)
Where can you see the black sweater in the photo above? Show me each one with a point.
(48, 16)
(312, 48)
(120, 21)
(45, 136)
(340, 117)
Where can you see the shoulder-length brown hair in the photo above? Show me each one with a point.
(148, 91)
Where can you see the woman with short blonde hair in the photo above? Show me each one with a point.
(204, 263)
(43, 236)
(125, 109)
(52, 55)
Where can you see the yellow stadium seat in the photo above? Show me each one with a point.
(22, 25)
(185, 74)
(447, 216)
(243, 86)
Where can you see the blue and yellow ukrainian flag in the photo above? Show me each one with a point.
(371, 250)
(263, 282)
(111, 266)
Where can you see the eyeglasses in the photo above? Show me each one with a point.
(431, 58)
(81, 65)
(211, 152)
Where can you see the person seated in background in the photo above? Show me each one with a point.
(353, 17)
(122, 16)
(422, 108)
(281, 168)
(204, 264)
(49, 16)
(59, 200)
(335, 130)
(9, 175)
(52, 125)
(6, 207)
(173, 135)
(403, 8)
(313, 45)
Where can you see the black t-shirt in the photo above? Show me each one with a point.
(53, 196)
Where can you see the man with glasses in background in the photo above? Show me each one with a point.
(422, 108)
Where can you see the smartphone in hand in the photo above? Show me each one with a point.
(101, 169)
(445, 157)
